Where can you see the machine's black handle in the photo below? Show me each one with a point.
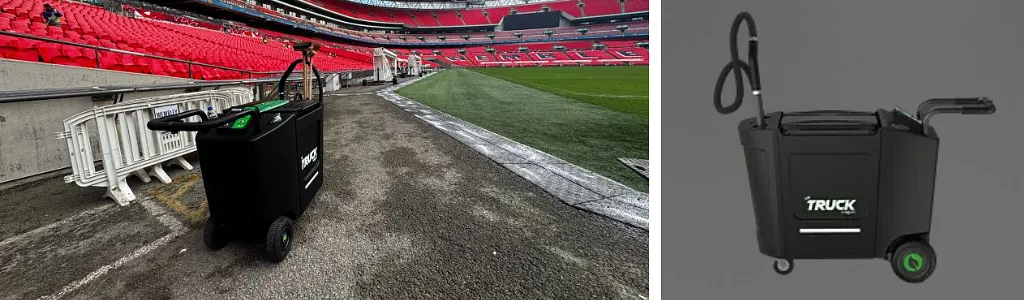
(967, 106)
(284, 78)
(174, 123)
(964, 106)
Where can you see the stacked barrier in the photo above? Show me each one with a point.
(126, 147)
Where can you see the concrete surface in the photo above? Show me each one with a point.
(405, 212)
(572, 184)
(28, 146)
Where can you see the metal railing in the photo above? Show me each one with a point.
(46, 94)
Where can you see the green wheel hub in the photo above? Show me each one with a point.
(913, 262)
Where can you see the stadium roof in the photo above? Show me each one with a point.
(449, 4)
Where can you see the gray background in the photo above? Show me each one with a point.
(844, 55)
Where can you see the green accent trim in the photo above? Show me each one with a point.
(241, 123)
(908, 115)
(265, 106)
(913, 262)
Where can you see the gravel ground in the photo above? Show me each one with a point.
(405, 212)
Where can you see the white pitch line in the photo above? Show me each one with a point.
(176, 227)
(65, 221)
(120, 262)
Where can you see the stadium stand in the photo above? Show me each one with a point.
(602, 7)
(92, 37)
(475, 16)
(95, 31)
(602, 29)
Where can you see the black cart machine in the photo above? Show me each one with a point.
(840, 184)
(260, 162)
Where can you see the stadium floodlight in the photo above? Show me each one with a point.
(622, 28)
(518, 35)
(545, 8)
(442, 38)
(465, 37)
(421, 38)
(642, 44)
(549, 33)
(524, 49)
(582, 31)
(559, 48)
(461, 51)
(490, 35)
(489, 50)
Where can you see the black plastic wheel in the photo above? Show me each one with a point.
(364, 82)
(214, 235)
(279, 239)
(394, 81)
(783, 266)
(914, 261)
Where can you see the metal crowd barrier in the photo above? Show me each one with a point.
(127, 147)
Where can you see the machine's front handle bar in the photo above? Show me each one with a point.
(174, 123)
(284, 78)
(964, 106)
(288, 73)
(978, 105)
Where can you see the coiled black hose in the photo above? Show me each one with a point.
(736, 66)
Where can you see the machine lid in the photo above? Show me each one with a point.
(829, 122)
(298, 106)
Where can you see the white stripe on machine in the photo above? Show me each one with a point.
(829, 230)
(312, 178)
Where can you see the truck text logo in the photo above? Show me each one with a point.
(844, 206)
(309, 158)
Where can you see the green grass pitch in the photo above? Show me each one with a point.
(622, 89)
(588, 116)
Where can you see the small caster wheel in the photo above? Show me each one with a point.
(913, 261)
(783, 266)
(280, 239)
(364, 82)
(394, 81)
(214, 235)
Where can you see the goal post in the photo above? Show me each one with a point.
(385, 65)
(415, 65)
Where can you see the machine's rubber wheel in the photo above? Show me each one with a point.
(279, 239)
(783, 266)
(214, 235)
(913, 261)
(394, 80)
(364, 82)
